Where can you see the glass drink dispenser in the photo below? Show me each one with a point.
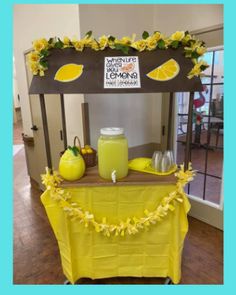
(112, 153)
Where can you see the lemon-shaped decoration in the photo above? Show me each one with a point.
(69, 72)
(165, 72)
(71, 165)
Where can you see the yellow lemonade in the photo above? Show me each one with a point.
(112, 153)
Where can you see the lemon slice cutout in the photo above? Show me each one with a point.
(165, 72)
(69, 72)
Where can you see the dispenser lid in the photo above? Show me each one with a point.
(112, 131)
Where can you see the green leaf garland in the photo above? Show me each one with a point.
(192, 47)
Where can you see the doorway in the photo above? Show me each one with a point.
(208, 122)
(207, 138)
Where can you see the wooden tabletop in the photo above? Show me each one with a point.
(92, 178)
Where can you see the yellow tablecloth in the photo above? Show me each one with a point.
(150, 253)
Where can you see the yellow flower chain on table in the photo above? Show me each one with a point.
(193, 48)
(132, 225)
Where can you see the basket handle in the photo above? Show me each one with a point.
(79, 144)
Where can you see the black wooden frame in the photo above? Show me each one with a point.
(94, 67)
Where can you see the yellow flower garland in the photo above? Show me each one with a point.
(132, 225)
(193, 48)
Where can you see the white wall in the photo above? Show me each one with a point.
(117, 20)
(36, 21)
(133, 112)
(191, 17)
(139, 114)
(15, 87)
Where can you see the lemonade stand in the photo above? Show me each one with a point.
(137, 225)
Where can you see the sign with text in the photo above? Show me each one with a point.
(121, 72)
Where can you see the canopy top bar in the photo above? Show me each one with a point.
(92, 79)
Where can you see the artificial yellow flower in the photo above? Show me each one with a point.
(41, 73)
(34, 67)
(157, 36)
(95, 46)
(78, 45)
(186, 38)
(196, 70)
(197, 47)
(201, 50)
(33, 56)
(196, 44)
(37, 68)
(151, 43)
(40, 44)
(103, 42)
(185, 176)
(139, 45)
(167, 41)
(124, 41)
(66, 42)
(177, 36)
(87, 42)
(203, 63)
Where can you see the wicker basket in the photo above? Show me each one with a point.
(89, 159)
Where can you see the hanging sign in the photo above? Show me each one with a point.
(121, 72)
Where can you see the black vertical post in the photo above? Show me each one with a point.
(85, 120)
(63, 116)
(170, 118)
(45, 130)
(189, 131)
(209, 125)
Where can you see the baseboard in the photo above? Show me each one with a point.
(209, 213)
(34, 183)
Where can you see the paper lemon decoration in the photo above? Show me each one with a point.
(165, 72)
(69, 72)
